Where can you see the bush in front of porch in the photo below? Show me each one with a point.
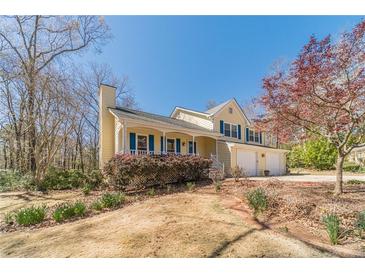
(125, 171)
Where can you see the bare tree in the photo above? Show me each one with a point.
(29, 45)
(210, 104)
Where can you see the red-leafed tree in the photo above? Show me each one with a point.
(321, 93)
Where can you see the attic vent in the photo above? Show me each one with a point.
(230, 110)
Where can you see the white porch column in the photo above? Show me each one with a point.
(193, 145)
(118, 126)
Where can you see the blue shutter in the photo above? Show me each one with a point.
(178, 148)
(132, 141)
(195, 147)
(221, 126)
(260, 137)
(151, 143)
(161, 143)
(239, 132)
(247, 135)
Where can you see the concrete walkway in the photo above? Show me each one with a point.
(310, 178)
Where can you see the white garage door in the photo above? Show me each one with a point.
(247, 161)
(273, 163)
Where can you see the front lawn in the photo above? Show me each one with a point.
(201, 222)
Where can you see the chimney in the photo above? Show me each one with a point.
(106, 123)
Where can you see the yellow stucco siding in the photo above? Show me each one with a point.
(106, 124)
(235, 117)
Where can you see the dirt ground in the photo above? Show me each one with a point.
(189, 224)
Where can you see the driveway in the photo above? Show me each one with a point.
(311, 178)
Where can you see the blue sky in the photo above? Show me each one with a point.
(186, 61)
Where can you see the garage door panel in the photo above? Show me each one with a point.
(247, 161)
(273, 163)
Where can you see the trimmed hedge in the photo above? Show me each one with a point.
(140, 171)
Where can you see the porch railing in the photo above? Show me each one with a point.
(217, 164)
(145, 152)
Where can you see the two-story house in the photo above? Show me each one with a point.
(223, 133)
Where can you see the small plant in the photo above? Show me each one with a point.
(30, 216)
(168, 188)
(151, 192)
(284, 229)
(112, 200)
(355, 182)
(190, 186)
(97, 205)
(332, 223)
(9, 218)
(360, 223)
(86, 189)
(66, 211)
(237, 173)
(257, 200)
(217, 186)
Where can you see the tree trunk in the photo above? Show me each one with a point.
(339, 174)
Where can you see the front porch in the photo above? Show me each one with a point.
(143, 140)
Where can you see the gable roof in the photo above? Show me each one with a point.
(216, 109)
(120, 111)
(188, 110)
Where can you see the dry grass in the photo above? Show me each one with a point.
(196, 224)
(298, 208)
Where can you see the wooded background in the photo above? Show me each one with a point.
(48, 101)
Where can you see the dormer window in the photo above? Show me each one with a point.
(230, 110)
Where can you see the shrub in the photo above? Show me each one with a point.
(316, 153)
(360, 223)
(217, 186)
(190, 186)
(111, 200)
(332, 223)
(9, 218)
(151, 192)
(94, 179)
(66, 211)
(11, 180)
(257, 200)
(97, 205)
(140, 171)
(59, 179)
(30, 216)
(237, 173)
(355, 182)
(351, 167)
(86, 189)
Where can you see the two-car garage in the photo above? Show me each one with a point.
(255, 161)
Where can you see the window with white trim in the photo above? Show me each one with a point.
(170, 145)
(254, 136)
(234, 131)
(142, 142)
(230, 130)
(227, 129)
(251, 136)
